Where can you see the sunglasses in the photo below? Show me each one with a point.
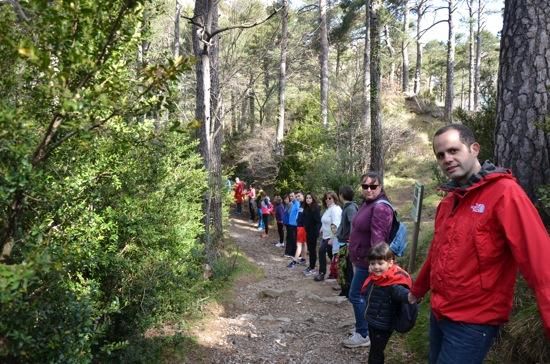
(369, 187)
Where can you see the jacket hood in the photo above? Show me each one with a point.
(488, 172)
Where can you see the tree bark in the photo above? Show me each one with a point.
(477, 66)
(471, 55)
(405, 48)
(251, 103)
(282, 76)
(420, 10)
(207, 101)
(450, 92)
(366, 85)
(324, 61)
(176, 49)
(391, 50)
(377, 152)
(522, 127)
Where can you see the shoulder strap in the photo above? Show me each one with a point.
(385, 202)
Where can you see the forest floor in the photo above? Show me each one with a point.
(281, 317)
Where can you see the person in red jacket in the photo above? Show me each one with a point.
(485, 229)
(239, 194)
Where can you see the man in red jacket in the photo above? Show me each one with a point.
(485, 229)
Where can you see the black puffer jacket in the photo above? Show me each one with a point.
(383, 303)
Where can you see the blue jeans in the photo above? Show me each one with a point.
(457, 342)
(357, 301)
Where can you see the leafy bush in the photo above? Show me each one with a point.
(482, 123)
(99, 212)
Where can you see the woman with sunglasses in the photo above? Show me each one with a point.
(370, 226)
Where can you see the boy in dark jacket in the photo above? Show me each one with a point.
(385, 289)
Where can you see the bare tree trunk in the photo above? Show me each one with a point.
(282, 75)
(324, 61)
(267, 90)
(233, 128)
(177, 43)
(471, 63)
(421, 7)
(251, 104)
(207, 100)
(366, 83)
(522, 126)
(377, 152)
(450, 93)
(244, 111)
(477, 70)
(405, 48)
(391, 50)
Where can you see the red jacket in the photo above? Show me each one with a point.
(482, 235)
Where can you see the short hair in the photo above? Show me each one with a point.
(381, 251)
(346, 192)
(465, 134)
(334, 198)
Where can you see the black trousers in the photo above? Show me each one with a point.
(265, 217)
(324, 249)
(290, 247)
(311, 237)
(378, 341)
(281, 231)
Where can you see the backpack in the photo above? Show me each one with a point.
(405, 317)
(398, 233)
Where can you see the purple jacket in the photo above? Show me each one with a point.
(371, 225)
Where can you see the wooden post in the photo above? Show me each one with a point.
(416, 214)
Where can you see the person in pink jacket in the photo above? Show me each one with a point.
(485, 229)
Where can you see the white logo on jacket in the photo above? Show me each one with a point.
(478, 207)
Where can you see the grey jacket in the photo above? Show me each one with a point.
(348, 213)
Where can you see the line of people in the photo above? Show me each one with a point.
(485, 229)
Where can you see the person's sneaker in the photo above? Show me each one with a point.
(288, 256)
(319, 277)
(302, 261)
(309, 271)
(356, 340)
(279, 245)
(291, 264)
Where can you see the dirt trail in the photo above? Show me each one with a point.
(285, 317)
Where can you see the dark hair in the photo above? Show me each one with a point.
(465, 134)
(277, 200)
(334, 198)
(346, 192)
(376, 176)
(313, 204)
(381, 251)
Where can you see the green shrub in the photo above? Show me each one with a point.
(102, 211)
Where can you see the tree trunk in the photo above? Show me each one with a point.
(267, 91)
(282, 75)
(176, 49)
(418, 67)
(206, 110)
(233, 128)
(251, 104)
(391, 50)
(522, 141)
(477, 67)
(450, 93)
(471, 51)
(377, 153)
(366, 84)
(324, 61)
(405, 48)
